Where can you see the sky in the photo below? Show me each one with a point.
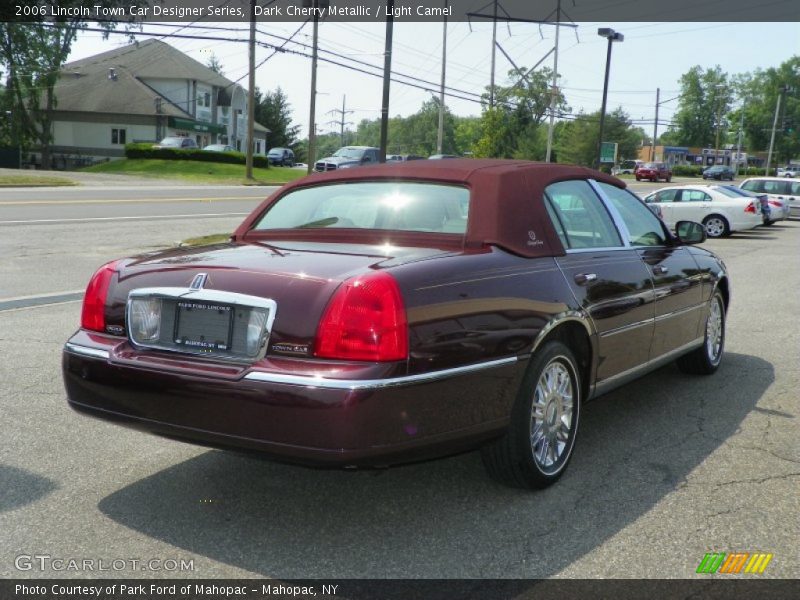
(653, 55)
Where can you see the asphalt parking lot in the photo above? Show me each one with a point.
(665, 469)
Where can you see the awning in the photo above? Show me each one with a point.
(188, 124)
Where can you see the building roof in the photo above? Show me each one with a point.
(151, 59)
(85, 85)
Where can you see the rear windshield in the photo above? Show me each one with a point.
(372, 205)
(728, 192)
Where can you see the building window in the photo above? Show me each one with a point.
(117, 136)
(204, 100)
(258, 146)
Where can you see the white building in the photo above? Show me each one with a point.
(142, 93)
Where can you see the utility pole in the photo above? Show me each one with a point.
(554, 88)
(783, 89)
(312, 127)
(387, 74)
(343, 112)
(718, 87)
(251, 94)
(655, 128)
(739, 141)
(494, 52)
(440, 134)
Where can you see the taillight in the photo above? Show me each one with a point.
(365, 320)
(751, 208)
(93, 315)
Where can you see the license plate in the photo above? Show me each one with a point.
(203, 327)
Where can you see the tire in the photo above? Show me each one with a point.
(638, 179)
(536, 449)
(706, 359)
(669, 178)
(716, 226)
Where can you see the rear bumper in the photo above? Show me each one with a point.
(295, 417)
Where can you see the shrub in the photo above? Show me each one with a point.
(147, 151)
(687, 170)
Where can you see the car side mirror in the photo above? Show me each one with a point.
(690, 233)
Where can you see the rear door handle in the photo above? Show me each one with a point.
(659, 270)
(584, 278)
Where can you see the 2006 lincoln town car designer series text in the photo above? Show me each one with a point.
(374, 316)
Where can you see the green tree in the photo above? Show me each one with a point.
(214, 64)
(576, 140)
(467, 133)
(511, 127)
(704, 103)
(33, 54)
(274, 112)
(758, 93)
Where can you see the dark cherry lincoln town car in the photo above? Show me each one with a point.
(375, 316)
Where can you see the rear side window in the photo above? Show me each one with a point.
(372, 205)
(643, 226)
(795, 188)
(579, 217)
(666, 196)
(694, 196)
(752, 186)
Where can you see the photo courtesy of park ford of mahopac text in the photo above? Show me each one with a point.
(399, 299)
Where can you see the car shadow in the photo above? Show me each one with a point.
(446, 518)
(19, 487)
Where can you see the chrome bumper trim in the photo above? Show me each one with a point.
(374, 384)
(86, 351)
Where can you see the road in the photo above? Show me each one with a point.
(665, 469)
(53, 239)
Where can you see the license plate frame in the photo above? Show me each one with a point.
(187, 314)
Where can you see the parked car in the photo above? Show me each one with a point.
(628, 167)
(720, 172)
(281, 156)
(403, 157)
(377, 316)
(177, 141)
(721, 211)
(654, 171)
(771, 210)
(788, 171)
(219, 148)
(441, 156)
(777, 189)
(348, 157)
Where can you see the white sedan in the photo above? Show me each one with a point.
(720, 210)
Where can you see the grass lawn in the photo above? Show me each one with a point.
(32, 180)
(193, 170)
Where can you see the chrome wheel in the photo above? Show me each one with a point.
(552, 415)
(714, 330)
(715, 227)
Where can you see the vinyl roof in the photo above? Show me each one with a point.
(506, 205)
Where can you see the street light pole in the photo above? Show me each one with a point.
(612, 36)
